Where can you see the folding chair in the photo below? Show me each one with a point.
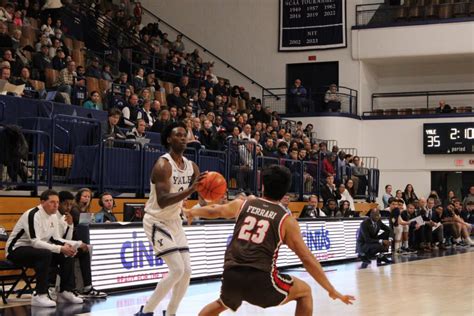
(20, 274)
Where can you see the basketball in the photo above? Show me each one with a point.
(212, 187)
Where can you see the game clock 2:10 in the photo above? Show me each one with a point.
(455, 134)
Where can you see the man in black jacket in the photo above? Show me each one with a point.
(329, 190)
(370, 242)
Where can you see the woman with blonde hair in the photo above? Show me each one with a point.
(82, 204)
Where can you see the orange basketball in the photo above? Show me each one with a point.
(212, 187)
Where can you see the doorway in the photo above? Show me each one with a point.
(315, 77)
(457, 181)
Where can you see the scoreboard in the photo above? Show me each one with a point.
(448, 138)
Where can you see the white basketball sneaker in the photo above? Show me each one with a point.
(69, 297)
(42, 300)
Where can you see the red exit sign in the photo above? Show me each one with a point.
(459, 162)
(312, 58)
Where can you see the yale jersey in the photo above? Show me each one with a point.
(179, 181)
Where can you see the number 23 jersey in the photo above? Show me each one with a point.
(257, 236)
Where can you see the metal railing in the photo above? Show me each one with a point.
(282, 101)
(126, 165)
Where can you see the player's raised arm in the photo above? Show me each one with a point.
(229, 210)
(160, 177)
(292, 238)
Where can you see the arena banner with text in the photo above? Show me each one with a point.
(312, 24)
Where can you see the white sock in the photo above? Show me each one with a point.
(457, 240)
(181, 287)
(176, 270)
(405, 244)
(398, 245)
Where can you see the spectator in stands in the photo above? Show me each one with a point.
(147, 112)
(93, 70)
(15, 65)
(43, 41)
(332, 99)
(387, 195)
(174, 68)
(59, 61)
(469, 198)
(329, 165)
(5, 39)
(399, 227)
(54, 47)
(221, 88)
(311, 210)
(331, 209)
(5, 73)
(197, 128)
(201, 103)
(107, 204)
(298, 95)
(66, 79)
(409, 195)
(175, 99)
(79, 92)
(29, 91)
(110, 129)
(162, 121)
(207, 136)
(269, 148)
(329, 190)
(416, 232)
(47, 28)
(178, 45)
(16, 36)
(93, 102)
(443, 107)
(370, 243)
(451, 197)
(173, 114)
(33, 243)
(282, 152)
(285, 203)
(246, 132)
(138, 82)
(131, 112)
(138, 131)
(359, 171)
(346, 210)
(106, 73)
(345, 196)
(82, 204)
(350, 187)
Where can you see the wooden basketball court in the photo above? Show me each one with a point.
(440, 285)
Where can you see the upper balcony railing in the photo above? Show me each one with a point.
(413, 12)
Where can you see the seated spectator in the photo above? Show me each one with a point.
(282, 152)
(5, 39)
(329, 165)
(178, 45)
(138, 82)
(285, 203)
(443, 107)
(197, 128)
(107, 204)
(387, 195)
(148, 114)
(360, 172)
(5, 73)
(418, 236)
(162, 122)
(66, 79)
(332, 99)
(131, 112)
(201, 104)
(399, 197)
(173, 114)
(469, 197)
(110, 129)
(175, 99)
(138, 131)
(93, 102)
(370, 243)
(207, 135)
(93, 70)
(329, 190)
(298, 96)
(345, 196)
(79, 92)
(47, 28)
(29, 91)
(174, 69)
(269, 149)
(331, 209)
(311, 210)
(54, 47)
(15, 65)
(107, 73)
(409, 195)
(35, 243)
(16, 36)
(346, 210)
(246, 132)
(221, 88)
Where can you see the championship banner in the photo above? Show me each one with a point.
(312, 24)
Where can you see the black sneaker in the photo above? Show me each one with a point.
(383, 260)
(141, 313)
(93, 293)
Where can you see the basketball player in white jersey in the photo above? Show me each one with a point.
(173, 179)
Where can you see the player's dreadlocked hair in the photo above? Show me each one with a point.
(167, 132)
